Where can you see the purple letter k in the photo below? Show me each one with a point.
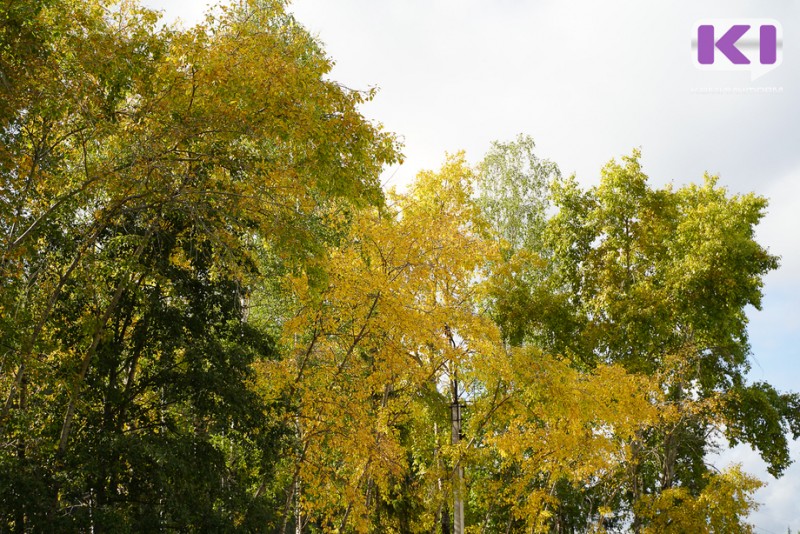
(726, 44)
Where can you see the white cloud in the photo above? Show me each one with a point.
(779, 230)
(778, 498)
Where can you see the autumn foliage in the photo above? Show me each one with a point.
(213, 319)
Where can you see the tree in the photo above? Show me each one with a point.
(199, 268)
(146, 173)
(512, 185)
(372, 352)
(367, 352)
(657, 281)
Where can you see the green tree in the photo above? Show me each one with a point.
(512, 190)
(657, 280)
(147, 175)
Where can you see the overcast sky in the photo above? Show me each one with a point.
(590, 81)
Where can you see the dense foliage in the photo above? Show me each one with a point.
(213, 319)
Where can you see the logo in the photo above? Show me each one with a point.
(752, 45)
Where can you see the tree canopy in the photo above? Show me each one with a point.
(213, 319)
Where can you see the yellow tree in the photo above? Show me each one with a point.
(369, 349)
(371, 353)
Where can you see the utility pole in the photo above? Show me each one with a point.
(458, 471)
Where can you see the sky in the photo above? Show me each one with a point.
(591, 81)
